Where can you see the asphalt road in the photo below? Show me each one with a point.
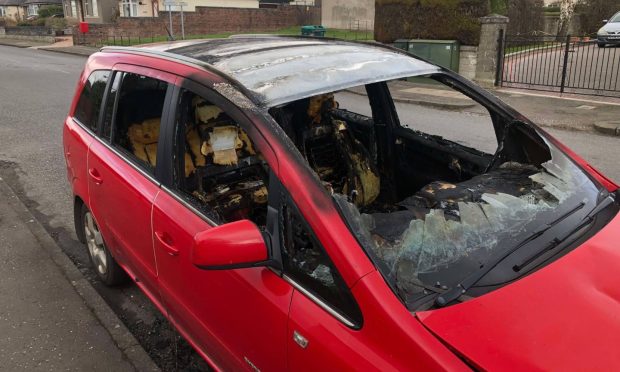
(589, 68)
(36, 91)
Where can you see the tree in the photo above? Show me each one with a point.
(567, 11)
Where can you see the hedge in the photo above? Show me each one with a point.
(430, 19)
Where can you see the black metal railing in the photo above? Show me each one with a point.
(118, 39)
(564, 64)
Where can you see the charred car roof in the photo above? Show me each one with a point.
(280, 69)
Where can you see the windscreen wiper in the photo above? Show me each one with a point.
(556, 241)
(461, 288)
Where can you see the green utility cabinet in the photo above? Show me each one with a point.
(313, 31)
(445, 53)
(402, 44)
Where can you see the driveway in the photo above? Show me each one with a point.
(590, 69)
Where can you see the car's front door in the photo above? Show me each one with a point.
(237, 319)
(122, 185)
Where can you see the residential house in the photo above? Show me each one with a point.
(91, 11)
(18, 10)
(105, 11)
(31, 7)
(151, 8)
(12, 10)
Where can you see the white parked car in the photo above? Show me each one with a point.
(610, 33)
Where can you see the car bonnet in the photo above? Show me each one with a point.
(565, 316)
(612, 27)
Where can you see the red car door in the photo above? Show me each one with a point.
(122, 188)
(237, 318)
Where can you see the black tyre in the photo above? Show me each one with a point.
(601, 45)
(103, 263)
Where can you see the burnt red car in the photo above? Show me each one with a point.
(296, 204)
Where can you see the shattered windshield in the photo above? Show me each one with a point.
(445, 231)
(429, 210)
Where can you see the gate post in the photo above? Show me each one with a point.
(488, 49)
(565, 65)
(499, 71)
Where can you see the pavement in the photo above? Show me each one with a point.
(51, 319)
(21, 43)
(64, 45)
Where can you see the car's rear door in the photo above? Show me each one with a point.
(80, 128)
(237, 319)
(121, 186)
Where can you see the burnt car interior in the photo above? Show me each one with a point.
(386, 169)
(423, 201)
(222, 170)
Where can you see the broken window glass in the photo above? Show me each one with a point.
(219, 168)
(306, 262)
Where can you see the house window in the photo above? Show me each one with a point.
(74, 11)
(67, 9)
(2, 11)
(33, 9)
(90, 8)
(130, 8)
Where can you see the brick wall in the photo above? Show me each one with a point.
(205, 20)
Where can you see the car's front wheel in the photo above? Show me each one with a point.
(601, 45)
(104, 264)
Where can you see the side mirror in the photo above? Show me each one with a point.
(605, 21)
(234, 245)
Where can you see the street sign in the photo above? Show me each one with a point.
(169, 4)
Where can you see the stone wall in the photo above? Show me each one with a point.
(9, 33)
(29, 31)
(468, 60)
(205, 20)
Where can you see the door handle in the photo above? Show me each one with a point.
(166, 243)
(92, 172)
(300, 340)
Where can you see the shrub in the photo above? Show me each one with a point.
(56, 24)
(429, 19)
(50, 10)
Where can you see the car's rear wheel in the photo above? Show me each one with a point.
(104, 264)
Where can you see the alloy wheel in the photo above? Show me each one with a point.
(96, 247)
